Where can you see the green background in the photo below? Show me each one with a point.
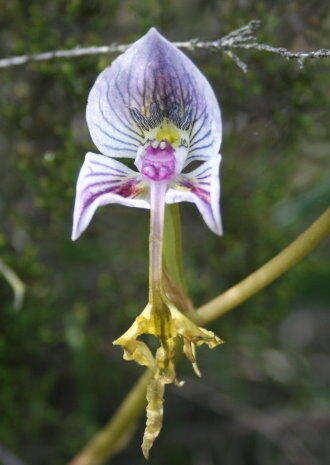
(264, 395)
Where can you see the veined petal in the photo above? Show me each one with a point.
(152, 85)
(103, 180)
(201, 187)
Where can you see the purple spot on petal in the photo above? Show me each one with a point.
(201, 193)
(128, 189)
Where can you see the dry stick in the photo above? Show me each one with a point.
(243, 38)
(109, 440)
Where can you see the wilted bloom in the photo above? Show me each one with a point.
(153, 105)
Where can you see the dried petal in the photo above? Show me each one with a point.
(170, 326)
(154, 410)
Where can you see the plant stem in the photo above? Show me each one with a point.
(15, 282)
(173, 275)
(111, 438)
(117, 432)
(157, 212)
(289, 256)
(172, 249)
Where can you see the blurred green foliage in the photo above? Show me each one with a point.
(61, 379)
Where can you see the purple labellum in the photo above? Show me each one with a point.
(158, 162)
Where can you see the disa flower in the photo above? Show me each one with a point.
(154, 106)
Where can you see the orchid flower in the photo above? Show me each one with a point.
(153, 105)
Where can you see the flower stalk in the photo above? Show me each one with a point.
(162, 319)
(114, 436)
(157, 215)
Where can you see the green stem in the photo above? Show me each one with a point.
(173, 274)
(172, 247)
(15, 282)
(117, 432)
(289, 256)
(113, 437)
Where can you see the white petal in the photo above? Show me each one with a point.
(201, 187)
(152, 80)
(101, 181)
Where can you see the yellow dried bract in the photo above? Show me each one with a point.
(154, 410)
(172, 328)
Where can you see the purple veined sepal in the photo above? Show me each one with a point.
(151, 95)
(101, 181)
(153, 82)
(202, 187)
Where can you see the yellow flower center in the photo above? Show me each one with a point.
(167, 131)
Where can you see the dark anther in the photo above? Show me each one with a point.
(173, 112)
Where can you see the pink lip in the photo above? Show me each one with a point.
(159, 163)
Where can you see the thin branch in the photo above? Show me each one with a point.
(15, 282)
(243, 38)
(292, 254)
(108, 441)
(71, 53)
(237, 60)
(113, 437)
